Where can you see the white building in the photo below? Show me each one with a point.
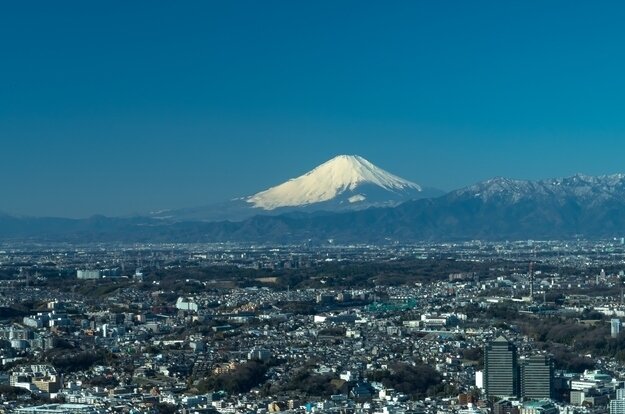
(479, 379)
(88, 274)
(259, 354)
(186, 304)
(615, 325)
(59, 409)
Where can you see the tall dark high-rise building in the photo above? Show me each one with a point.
(536, 377)
(501, 374)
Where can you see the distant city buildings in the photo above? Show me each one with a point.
(163, 338)
(41, 379)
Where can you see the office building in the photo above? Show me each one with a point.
(615, 327)
(617, 406)
(501, 369)
(536, 377)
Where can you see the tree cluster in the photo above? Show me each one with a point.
(305, 381)
(417, 381)
(240, 380)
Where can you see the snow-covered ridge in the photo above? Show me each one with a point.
(580, 186)
(341, 174)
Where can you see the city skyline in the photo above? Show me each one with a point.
(156, 106)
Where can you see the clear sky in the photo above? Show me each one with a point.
(116, 107)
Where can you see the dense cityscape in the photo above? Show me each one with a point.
(526, 327)
(312, 207)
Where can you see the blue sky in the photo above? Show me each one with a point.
(122, 107)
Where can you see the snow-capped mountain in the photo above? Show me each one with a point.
(496, 209)
(346, 180)
(344, 183)
(583, 188)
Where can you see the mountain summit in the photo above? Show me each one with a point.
(346, 179)
(344, 183)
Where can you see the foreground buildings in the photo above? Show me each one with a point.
(501, 369)
(536, 377)
(171, 333)
(507, 376)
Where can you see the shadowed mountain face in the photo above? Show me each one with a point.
(496, 209)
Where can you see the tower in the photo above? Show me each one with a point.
(531, 277)
(615, 327)
(501, 376)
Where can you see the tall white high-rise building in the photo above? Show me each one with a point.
(615, 327)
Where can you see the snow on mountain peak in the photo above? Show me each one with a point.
(327, 181)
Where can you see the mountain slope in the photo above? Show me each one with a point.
(346, 182)
(343, 176)
(497, 209)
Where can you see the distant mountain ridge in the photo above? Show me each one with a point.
(496, 209)
(584, 187)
